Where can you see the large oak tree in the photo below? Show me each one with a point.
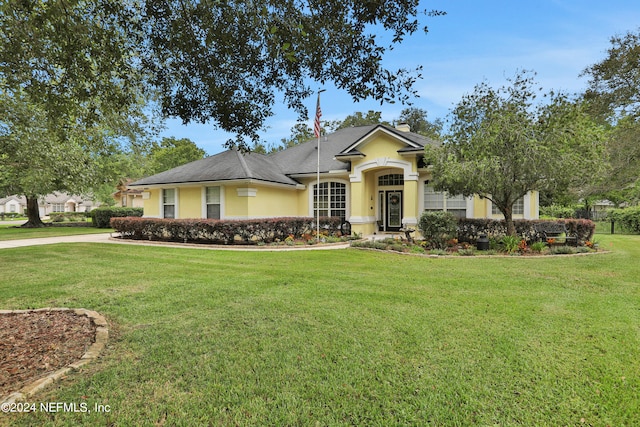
(70, 90)
(91, 65)
(229, 62)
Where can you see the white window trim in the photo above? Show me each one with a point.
(526, 209)
(347, 195)
(204, 201)
(176, 205)
(423, 183)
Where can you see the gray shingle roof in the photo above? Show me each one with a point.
(5, 200)
(226, 166)
(281, 166)
(302, 159)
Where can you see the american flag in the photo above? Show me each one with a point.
(316, 123)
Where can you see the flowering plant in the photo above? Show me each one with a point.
(591, 244)
(522, 246)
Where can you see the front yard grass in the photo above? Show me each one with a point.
(342, 337)
(13, 232)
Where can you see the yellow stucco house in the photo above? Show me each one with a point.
(372, 176)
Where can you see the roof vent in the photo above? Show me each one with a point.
(403, 127)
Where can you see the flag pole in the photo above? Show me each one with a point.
(316, 130)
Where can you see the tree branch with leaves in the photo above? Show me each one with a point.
(501, 145)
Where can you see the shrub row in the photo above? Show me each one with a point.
(227, 232)
(10, 215)
(69, 216)
(628, 217)
(557, 211)
(102, 216)
(71, 224)
(470, 229)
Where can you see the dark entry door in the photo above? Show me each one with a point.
(394, 210)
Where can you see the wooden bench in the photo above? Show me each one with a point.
(555, 233)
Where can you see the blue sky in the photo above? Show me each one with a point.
(476, 41)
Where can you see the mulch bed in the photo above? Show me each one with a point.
(34, 344)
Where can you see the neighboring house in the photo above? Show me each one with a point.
(372, 176)
(599, 209)
(55, 202)
(128, 197)
(11, 204)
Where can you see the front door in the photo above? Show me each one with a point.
(394, 210)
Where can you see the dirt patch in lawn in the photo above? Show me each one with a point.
(34, 344)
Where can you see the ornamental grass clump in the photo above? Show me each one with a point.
(538, 247)
(510, 244)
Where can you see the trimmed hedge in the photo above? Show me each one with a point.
(470, 229)
(556, 211)
(10, 215)
(225, 232)
(102, 216)
(69, 216)
(70, 224)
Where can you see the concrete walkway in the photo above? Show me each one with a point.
(106, 238)
(80, 238)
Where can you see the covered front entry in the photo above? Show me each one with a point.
(384, 196)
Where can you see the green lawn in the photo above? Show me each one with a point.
(11, 232)
(342, 337)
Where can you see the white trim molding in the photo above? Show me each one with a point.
(409, 174)
(362, 219)
(247, 192)
(364, 140)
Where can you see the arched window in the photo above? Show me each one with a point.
(332, 199)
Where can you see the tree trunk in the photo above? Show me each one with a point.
(508, 219)
(33, 213)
